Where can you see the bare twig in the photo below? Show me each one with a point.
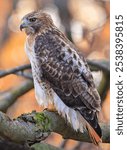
(25, 75)
(9, 97)
(14, 70)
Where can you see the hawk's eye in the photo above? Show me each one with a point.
(32, 19)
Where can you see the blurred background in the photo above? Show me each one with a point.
(85, 22)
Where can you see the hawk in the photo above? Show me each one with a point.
(61, 74)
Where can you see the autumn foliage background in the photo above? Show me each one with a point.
(85, 22)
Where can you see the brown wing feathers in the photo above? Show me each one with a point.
(68, 75)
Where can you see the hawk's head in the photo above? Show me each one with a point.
(36, 21)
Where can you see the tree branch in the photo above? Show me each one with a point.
(25, 75)
(8, 98)
(97, 65)
(14, 70)
(35, 127)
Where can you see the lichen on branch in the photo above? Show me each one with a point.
(35, 127)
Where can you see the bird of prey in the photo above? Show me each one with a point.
(61, 74)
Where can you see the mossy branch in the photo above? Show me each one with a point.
(34, 127)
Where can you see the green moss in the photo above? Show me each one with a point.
(42, 121)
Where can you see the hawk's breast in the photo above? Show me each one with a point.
(45, 95)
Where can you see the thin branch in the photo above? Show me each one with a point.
(97, 65)
(14, 70)
(35, 127)
(25, 75)
(9, 97)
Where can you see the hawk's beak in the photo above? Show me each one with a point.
(24, 24)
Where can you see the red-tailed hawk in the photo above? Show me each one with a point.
(61, 75)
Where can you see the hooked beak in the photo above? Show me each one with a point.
(24, 24)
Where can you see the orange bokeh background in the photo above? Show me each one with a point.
(94, 43)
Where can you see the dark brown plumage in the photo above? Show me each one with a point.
(58, 68)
